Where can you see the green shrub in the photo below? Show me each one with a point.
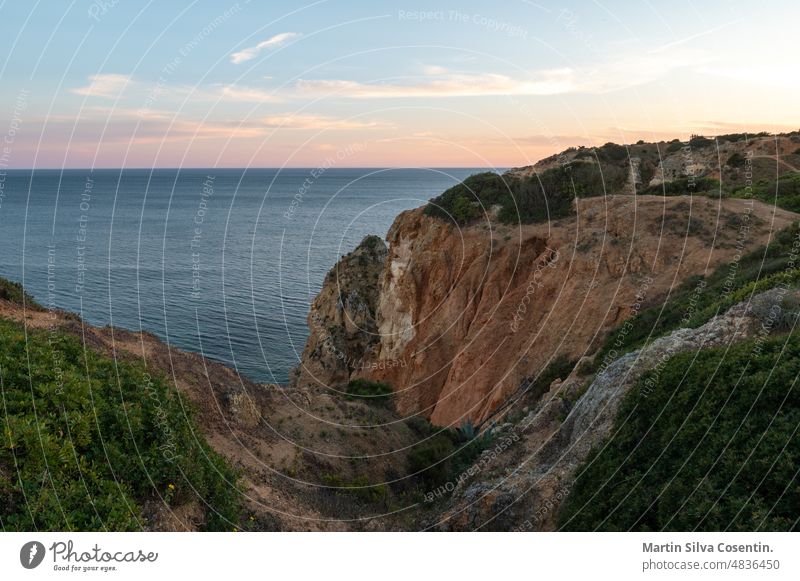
(87, 440)
(429, 459)
(536, 386)
(736, 160)
(442, 455)
(14, 293)
(732, 137)
(712, 447)
(784, 192)
(463, 202)
(370, 391)
(699, 141)
(684, 186)
(546, 196)
(612, 152)
(465, 211)
(674, 145)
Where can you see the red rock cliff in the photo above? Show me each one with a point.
(465, 315)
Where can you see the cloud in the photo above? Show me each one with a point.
(108, 86)
(245, 94)
(271, 43)
(451, 85)
(317, 122)
(604, 77)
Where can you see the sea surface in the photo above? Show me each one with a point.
(224, 262)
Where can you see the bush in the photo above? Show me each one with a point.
(14, 293)
(713, 447)
(463, 202)
(429, 459)
(674, 145)
(684, 186)
(732, 137)
(736, 160)
(699, 141)
(612, 152)
(546, 196)
(784, 192)
(371, 391)
(536, 386)
(87, 440)
(443, 455)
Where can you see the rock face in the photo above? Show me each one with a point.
(455, 318)
(538, 474)
(342, 320)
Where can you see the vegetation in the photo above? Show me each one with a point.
(596, 171)
(713, 447)
(14, 293)
(87, 441)
(684, 186)
(699, 299)
(371, 391)
(699, 141)
(358, 488)
(535, 387)
(736, 159)
(784, 192)
(546, 196)
(442, 455)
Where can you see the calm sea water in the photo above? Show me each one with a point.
(223, 262)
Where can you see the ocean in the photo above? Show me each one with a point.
(224, 262)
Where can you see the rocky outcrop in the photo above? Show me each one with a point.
(530, 482)
(458, 318)
(342, 322)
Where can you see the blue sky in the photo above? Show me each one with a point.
(99, 83)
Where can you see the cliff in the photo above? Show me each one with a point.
(469, 315)
(525, 488)
(343, 318)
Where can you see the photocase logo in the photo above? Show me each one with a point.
(31, 554)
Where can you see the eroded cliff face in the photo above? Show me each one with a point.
(464, 315)
(342, 319)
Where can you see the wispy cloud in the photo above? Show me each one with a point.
(108, 85)
(317, 122)
(271, 43)
(245, 94)
(437, 82)
(452, 85)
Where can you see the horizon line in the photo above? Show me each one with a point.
(304, 167)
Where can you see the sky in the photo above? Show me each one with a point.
(427, 83)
